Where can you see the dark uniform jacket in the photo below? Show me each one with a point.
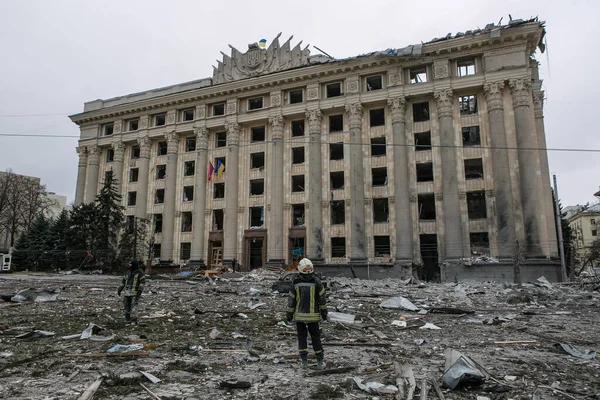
(306, 302)
(133, 282)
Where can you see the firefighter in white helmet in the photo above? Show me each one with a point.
(307, 307)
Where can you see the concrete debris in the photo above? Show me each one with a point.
(375, 387)
(35, 335)
(38, 296)
(399, 302)
(577, 351)
(543, 282)
(215, 333)
(341, 317)
(430, 326)
(482, 259)
(125, 348)
(398, 323)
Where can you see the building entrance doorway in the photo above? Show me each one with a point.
(429, 254)
(255, 253)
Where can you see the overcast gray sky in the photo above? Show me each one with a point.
(59, 54)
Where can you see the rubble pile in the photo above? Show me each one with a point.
(202, 337)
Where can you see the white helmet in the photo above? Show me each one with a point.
(305, 266)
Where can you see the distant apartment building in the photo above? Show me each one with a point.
(584, 225)
(378, 162)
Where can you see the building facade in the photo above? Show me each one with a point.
(585, 226)
(405, 157)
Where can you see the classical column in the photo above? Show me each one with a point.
(526, 143)
(92, 173)
(453, 243)
(198, 218)
(403, 226)
(538, 110)
(119, 154)
(143, 164)
(275, 234)
(230, 228)
(358, 245)
(81, 169)
(505, 217)
(314, 235)
(166, 249)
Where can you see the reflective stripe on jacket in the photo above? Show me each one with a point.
(306, 299)
(133, 282)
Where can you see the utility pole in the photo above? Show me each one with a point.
(561, 249)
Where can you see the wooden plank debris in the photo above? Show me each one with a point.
(154, 396)
(358, 344)
(101, 355)
(515, 341)
(438, 390)
(330, 371)
(424, 389)
(91, 390)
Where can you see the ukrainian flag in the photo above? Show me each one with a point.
(220, 169)
(262, 43)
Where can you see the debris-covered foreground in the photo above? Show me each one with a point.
(225, 338)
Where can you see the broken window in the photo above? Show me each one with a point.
(336, 123)
(160, 119)
(108, 129)
(217, 220)
(426, 206)
(425, 172)
(480, 242)
(298, 183)
(296, 96)
(465, 67)
(298, 127)
(189, 168)
(381, 211)
(379, 176)
(186, 221)
(159, 197)
(161, 171)
(221, 139)
(474, 168)
(297, 155)
(594, 232)
(257, 134)
(255, 103)
(185, 250)
(257, 160)
(418, 75)
(337, 179)
(467, 104)
(135, 152)
(134, 174)
(338, 212)
(133, 125)
(156, 250)
(110, 155)
(131, 198)
(333, 89)
(218, 109)
(422, 141)
(257, 187)
(157, 219)
(471, 136)
(338, 247)
(219, 191)
(297, 214)
(476, 205)
(161, 148)
(257, 217)
(187, 115)
(377, 117)
(129, 223)
(381, 244)
(190, 144)
(374, 83)
(188, 193)
(336, 151)
(378, 147)
(421, 111)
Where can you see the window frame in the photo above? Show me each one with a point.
(296, 91)
(252, 107)
(330, 84)
(368, 87)
(155, 119)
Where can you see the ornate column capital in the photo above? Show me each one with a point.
(172, 142)
(494, 95)
(233, 133)
(201, 133)
(276, 122)
(82, 151)
(94, 154)
(119, 149)
(520, 91)
(444, 102)
(355, 112)
(538, 104)
(314, 120)
(397, 106)
(144, 143)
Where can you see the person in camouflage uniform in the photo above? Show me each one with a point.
(132, 287)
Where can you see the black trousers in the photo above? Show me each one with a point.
(303, 330)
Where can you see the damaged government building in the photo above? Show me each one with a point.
(427, 157)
